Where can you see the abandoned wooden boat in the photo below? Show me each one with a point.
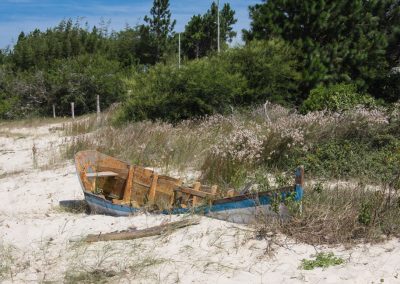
(115, 187)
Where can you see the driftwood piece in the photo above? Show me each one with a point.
(130, 235)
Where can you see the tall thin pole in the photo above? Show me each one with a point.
(179, 50)
(218, 30)
(73, 110)
(98, 105)
(54, 111)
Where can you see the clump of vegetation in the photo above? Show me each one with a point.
(337, 97)
(257, 62)
(330, 49)
(95, 276)
(322, 260)
(234, 150)
(345, 214)
(199, 88)
(285, 57)
(73, 206)
(226, 149)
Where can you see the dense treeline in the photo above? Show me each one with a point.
(332, 49)
(340, 41)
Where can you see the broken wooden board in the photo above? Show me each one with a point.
(101, 174)
(136, 234)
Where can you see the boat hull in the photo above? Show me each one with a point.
(241, 209)
(104, 181)
(101, 206)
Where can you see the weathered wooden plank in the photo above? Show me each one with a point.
(152, 192)
(214, 190)
(194, 192)
(196, 188)
(130, 235)
(143, 176)
(119, 201)
(142, 184)
(129, 184)
(231, 193)
(122, 173)
(101, 174)
(139, 194)
(165, 194)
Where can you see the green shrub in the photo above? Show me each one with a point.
(7, 106)
(364, 216)
(348, 159)
(201, 87)
(337, 97)
(80, 79)
(269, 68)
(321, 260)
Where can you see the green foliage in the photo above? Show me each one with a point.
(323, 260)
(6, 106)
(388, 87)
(128, 44)
(199, 88)
(39, 49)
(80, 79)
(292, 47)
(337, 97)
(160, 28)
(77, 79)
(212, 85)
(24, 93)
(258, 62)
(365, 214)
(339, 40)
(200, 35)
(318, 187)
(7, 101)
(351, 158)
(3, 56)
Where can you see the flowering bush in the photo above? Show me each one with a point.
(241, 145)
(228, 149)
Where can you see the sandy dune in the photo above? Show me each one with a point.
(35, 236)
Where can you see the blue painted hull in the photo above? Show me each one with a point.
(239, 209)
(99, 205)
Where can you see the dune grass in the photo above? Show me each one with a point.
(361, 145)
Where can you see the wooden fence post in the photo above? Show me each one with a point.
(73, 110)
(54, 111)
(98, 105)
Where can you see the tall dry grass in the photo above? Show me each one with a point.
(227, 149)
(361, 145)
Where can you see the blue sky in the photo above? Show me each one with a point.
(26, 15)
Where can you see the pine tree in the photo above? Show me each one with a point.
(339, 40)
(161, 27)
(200, 35)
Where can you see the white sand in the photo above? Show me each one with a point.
(214, 251)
